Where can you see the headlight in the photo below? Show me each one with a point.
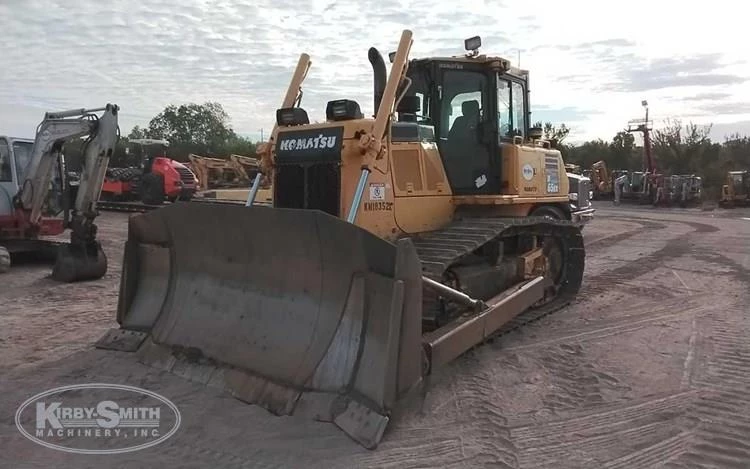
(573, 196)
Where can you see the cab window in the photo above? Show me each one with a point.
(517, 96)
(22, 152)
(5, 172)
(504, 108)
(511, 114)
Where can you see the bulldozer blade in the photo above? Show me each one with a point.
(294, 310)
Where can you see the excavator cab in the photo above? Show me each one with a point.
(395, 243)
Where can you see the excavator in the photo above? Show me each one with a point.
(34, 192)
(395, 243)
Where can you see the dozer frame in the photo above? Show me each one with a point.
(393, 246)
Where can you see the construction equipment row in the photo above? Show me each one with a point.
(213, 173)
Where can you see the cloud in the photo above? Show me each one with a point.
(146, 55)
(614, 42)
(669, 72)
(560, 115)
(726, 108)
(719, 132)
(712, 96)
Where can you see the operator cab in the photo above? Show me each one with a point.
(475, 104)
(740, 181)
(15, 156)
(147, 150)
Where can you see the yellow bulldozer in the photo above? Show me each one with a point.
(736, 189)
(602, 180)
(395, 243)
(235, 171)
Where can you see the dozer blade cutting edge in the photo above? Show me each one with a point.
(313, 316)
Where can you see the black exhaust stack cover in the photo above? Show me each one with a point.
(379, 75)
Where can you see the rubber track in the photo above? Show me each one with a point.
(124, 206)
(138, 207)
(440, 249)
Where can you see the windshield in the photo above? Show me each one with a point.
(573, 184)
(22, 153)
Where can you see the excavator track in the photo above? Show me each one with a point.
(133, 207)
(439, 250)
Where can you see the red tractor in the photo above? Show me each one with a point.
(155, 179)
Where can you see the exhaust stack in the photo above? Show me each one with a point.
(379, 75)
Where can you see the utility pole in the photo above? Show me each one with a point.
(261, 135)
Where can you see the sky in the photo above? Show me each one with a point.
(591, 63)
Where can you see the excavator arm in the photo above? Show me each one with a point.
(52, 133)
(83, 259)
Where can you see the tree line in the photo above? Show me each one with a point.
(676, 149)
(202, 129)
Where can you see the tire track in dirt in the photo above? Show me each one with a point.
(634, 439)
(477, 435)
(721, 416)
(653, 455)
(483, 428)
(607, 242)
(633, 320)
(577, 383)
(676, 247)
(588, 440)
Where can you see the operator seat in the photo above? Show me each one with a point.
(466, 157)
(464, 127)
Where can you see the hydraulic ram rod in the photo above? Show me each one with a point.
(253, 190)
(358, 196)
(455, 295)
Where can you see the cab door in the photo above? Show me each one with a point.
(8, 184)
(467, 137)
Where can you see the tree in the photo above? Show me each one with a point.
(192, 128)
(238, 146)
(688, 149)
(136, 133)
(553, 133)
(589, 153)
(623, 153)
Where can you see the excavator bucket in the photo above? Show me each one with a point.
(294, 310)
(76, 263)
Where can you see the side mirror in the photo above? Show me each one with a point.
(535, 133)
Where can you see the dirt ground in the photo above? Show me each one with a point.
(648, 368)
